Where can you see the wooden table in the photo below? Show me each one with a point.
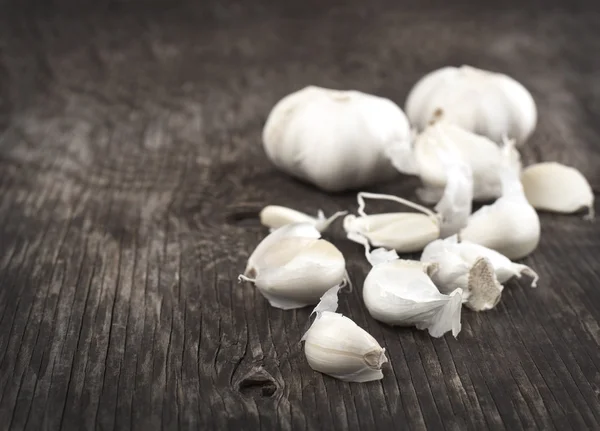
(131, 172)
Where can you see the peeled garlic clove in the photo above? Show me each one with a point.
(275, 216)
(510, 225)
(400, 293)
(491, 104)
(404, 232)
(295, 271)
(334, 139)
(555, 187)
(337, 346)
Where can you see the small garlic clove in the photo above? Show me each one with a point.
(510, 225)
(483, 289)
(337, 346)
(403, 232)
(275, 216)
(555, 187)
(400, 293)
(295, 271)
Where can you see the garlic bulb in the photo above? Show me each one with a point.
(334, 139)
(337, 346)
(400, 293)
(490, 104)
(410, 232)
(427, 155)
(274, 217)
(554, 187)
(476, 269)
(292, 267)
(510, 225)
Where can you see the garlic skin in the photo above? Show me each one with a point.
(334, 139)
(400, 293)
(510, 225)
(555, 187)
(337, 346)
(487, 103)
(275, 216)
(428, 152)
(293, 268)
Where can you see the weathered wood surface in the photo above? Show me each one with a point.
(131, 170)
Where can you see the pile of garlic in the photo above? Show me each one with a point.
(467, 124)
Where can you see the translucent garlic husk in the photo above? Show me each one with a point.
(293, 267)
(275, 216)
(510, 225)
(401, 293)
(425, 158)
(491, 104)
(337, 346)
(334, 139)
(555, 187)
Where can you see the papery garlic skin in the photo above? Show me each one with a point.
(490, 104)
(334, 139)
(400, 293)
(510, 225)
(555, 187)
(295, 271)
(275, 216)
(337, 346)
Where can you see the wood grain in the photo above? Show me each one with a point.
(131, 174)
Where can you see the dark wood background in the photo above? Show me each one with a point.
(131, 172)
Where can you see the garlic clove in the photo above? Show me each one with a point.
(400, 293)
(510, 225)
(275, 216)
(295, 271)
(334, 139)
(555, 187)
(403, 232)
(337, 346)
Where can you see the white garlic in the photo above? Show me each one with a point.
(490, 104)
(292, 267)
(510, 225)
(427, 154)
(334, 139)
(337, 346)
(275, 216)
(478, 270)
(555, 187)
(401, 293)
(410, 232)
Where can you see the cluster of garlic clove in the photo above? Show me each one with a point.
(334, 139)
(293, 267)
(487, 103)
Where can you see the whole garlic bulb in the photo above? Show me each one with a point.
(292, 267)
(510, 225)
(490, 104)
(337, 346)
(334, 139)
(555, 187)
(401, 293)
(429, 150)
